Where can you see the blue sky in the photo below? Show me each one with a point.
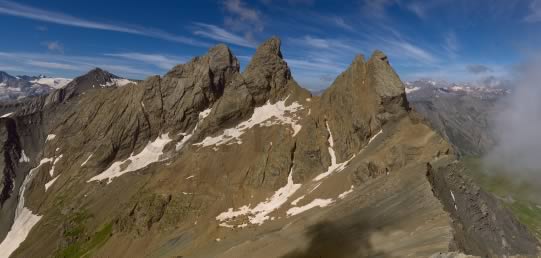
(455, 40)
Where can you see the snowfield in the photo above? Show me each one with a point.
(24, 220)
(150, 154)
(315, 203)
(259, 214)
(266, 115)
(202, 115)
(55, 83)
(119, 82)
(24, 158)
(334, 167)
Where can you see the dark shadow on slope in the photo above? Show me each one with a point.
(344, 238)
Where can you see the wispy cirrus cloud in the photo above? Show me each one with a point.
(451, 44)
(221, 35)
(29, 12)
(53, 65)
(161, 61)
(66, 65)
(54, 46)
(534, 12)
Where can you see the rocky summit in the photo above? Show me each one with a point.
(207, 161)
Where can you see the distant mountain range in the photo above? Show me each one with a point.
(22, 86)
(462, 113)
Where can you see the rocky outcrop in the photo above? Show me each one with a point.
(482, 225)
(361, 100)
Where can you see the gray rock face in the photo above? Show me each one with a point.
(483, 226)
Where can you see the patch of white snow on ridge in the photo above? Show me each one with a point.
(259, 214)
(87, 159)
(7, 115)
(119, 82)
(51, 172)
(315, 203)
(266, 115)
(202, 115)
(24, 220)
(454, 200)
(50, 137)
(150, 154)
(294, 202)
(23, 158)
(55, 83)
(346, 193)
(334, 166)
(410, 90)
(48, 184)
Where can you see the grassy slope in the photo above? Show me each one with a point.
(520, 197)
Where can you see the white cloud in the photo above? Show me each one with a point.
(331, 44)
(535, 12)
(54, 46)
(415, 52)
(25, 11)
(244, 13)
(158, 60)
(376, 8)
(451, 44)
(69, 66)
(221, 35)
(53, 65)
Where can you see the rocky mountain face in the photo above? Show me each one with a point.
(462, 114)
(207, 161)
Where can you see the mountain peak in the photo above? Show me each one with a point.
(378, 54)
(267, 75)
(270, 47)
(100, 73)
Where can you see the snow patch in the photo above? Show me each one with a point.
(50, 137)
(7, 115)
(150, 154)
(50, 183)
(266, 115)
(24, 220)
(55, 83)
(315, 203)
(87, 159)
(51, 172)
(454, 200)
(23, 158)
(294, 202)
(346, 193)
(410, 90)
(118, 82)
(334, 167)
(374, 137)
(202, 115)
(259, 214)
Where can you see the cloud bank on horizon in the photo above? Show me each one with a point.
(442, 39)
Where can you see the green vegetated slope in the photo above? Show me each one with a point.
(521, 196)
